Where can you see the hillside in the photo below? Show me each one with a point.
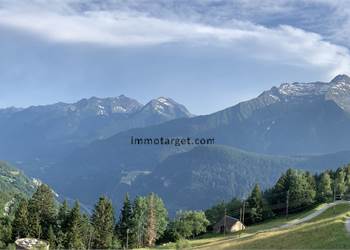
(207, 175)
(13, 183)
(326, 231)
(194, 179)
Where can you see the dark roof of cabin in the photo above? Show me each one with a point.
(230, 221)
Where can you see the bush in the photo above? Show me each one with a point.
(183, 244)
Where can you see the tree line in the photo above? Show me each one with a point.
(144, 221)
(294, 191)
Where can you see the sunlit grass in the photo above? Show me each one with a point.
(326, 231)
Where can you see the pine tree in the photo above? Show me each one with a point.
(20, 223)
(34, 228)
(139, 220)
(255, 203)
(5, 232)
(124, 227)
(103, 224)
(62, 217)
(74, 229)
(87, 230)
(296, 183)
(42, 211)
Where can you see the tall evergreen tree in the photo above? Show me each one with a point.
(103, 224)
(87, 230)
(42, 209)
(20, 223)
(255, 205)
(124, 227)
(62, 225)
(34, 224)
(63, 216)
(296, 184)
(74, 230)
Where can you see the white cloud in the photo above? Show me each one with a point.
(62, 21)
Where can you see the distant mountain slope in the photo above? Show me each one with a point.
(46, 133)
(209, 174)
(13, 183)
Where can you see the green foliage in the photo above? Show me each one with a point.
(155, 204)
(103, 222)
(189, 224)
(51, 238)
(139, 220)
(5, 231)
(324, 188)
(124, 227)
(297, 184)
(215, 213)
(42, 212)
(339, 181)
(208, 174)
(20, 223)
(75, 237)
(183, 244)
(14, 186)
(255, 203)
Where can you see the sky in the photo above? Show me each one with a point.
(205, 54)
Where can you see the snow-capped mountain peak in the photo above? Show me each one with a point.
(337, 90)
(341, 79)
(167, 107)
(106, 106)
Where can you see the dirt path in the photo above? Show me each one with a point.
(310, 216)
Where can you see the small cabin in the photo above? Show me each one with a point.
(228, 224)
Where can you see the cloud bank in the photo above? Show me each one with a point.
(117, 25)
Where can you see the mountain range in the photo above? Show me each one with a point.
(292, 119)
(300, 125)
(39, 135)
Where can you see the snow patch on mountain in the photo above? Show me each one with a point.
(303, 89)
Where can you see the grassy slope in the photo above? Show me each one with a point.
(326, 231)
(213, 238)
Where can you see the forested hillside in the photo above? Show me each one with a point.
(144, 221)
(208, 174)
(13, 184)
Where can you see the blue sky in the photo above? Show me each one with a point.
(207, 55)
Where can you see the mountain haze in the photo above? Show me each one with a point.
(40, 135)
(292, 119)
